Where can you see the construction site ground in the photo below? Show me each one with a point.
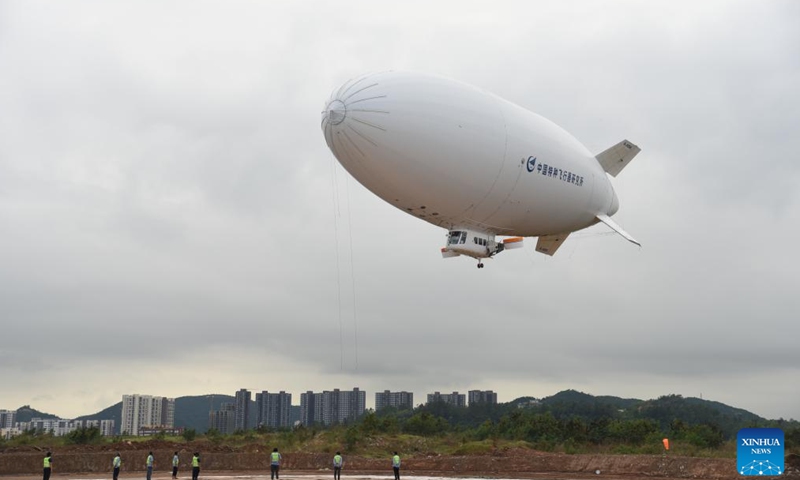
(251, 462)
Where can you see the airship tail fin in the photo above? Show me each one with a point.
(613, 225)
(614, 159)
(548, 244)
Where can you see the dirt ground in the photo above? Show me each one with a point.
(251, 460)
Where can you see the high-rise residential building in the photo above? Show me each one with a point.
(393, 399)
(146, 411)
(242, 409)
(224, 419)
(343, 406)
(8, 418)
(274, 409)
(332, 407)
(310, 408)
(456, 399)
(106, 427)
(294, 415)
(482, 396)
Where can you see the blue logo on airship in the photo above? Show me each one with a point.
(531, 164)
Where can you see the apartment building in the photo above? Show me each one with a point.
(146, 411)
(224, 419)
(273, 409)
(242, 409)
(8, 418)
(482, 396)
(393, 399)
(456, 399)
(332, 407)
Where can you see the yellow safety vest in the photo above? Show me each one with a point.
(149, 460)
(195, 462)
(117, 462)
(396, 461)
(337, 461)
(276, 457)
(175, 461)
(46, 462)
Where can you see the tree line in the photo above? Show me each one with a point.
(580, 420)
(569, 421)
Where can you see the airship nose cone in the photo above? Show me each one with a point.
(335, 112)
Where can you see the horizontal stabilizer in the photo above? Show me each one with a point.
(548, 244)
(617, 157)
(613, 225)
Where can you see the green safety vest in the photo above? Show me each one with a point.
(175, 461)
(117, 461)
(46, 462)
(195, 461)
(149, 460)
(337, 460)
(396, 461)
(276, 457)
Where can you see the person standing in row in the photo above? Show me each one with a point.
(149, 464)
(48, 464)
(175, 462)
(275, 464)
(396, 466)
(338, 461)
(117, 463)
(195, 465)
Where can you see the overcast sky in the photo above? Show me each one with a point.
(172, 222)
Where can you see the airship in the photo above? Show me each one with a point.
(463, 159)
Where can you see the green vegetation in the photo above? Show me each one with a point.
(84, 436)
(570, 422)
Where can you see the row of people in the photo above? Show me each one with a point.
(149, 463)
(116, 464)
(275, 465)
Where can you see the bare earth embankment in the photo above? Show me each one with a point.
(74, 461)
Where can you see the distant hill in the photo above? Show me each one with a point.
(580, 398)
(573, 403)
(192, 411)
(694, 411)
(623, 403)
(25, 413)
(114, 412)
(724, 409)
(665, 410)
(523, 401)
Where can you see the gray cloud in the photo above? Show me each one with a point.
(167, 203)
